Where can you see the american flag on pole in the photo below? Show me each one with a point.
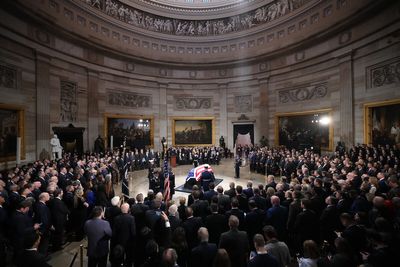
(167, 190)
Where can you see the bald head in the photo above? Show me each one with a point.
(233, 222)
(275, 201)
(125, 208)
(203, 234)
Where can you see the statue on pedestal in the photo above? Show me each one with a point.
(99, 145)
(222, 142)
(164, 146)
(56, 147)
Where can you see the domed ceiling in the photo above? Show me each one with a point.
(199, 32)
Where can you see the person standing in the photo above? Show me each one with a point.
(59, 212)
(98, 232)
(206, 178)
(262, 258)
(43, 218)
(204, 253)
(124, 233)
(236, 243)
(237, 167)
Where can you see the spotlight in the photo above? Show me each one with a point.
(325, 120)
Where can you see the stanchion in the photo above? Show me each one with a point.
(81, 254)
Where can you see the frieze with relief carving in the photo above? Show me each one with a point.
(385, 73)
(187, 103)
(68, 101)
(127, 99)
(138, 18)
(303, 93)
(8, 76)
(243, 103)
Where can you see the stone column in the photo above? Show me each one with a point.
(163, 119)
(223, 114)
(346, 99)
(43, 131)
(93, 108)
(263, 124)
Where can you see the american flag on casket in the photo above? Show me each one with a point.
(195, 173)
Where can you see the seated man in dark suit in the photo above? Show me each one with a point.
(206, 178)
(204, 253)
(30, 256)
(236, 243)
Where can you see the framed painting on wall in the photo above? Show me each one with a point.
(193, 131)
(138, 130)
(382, 123)
(11, 127)
(309, 129)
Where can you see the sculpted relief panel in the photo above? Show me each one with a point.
(243, 103)
(68, 101)
(127, 99)
(384, 73)
(156, 23)
(8, 76)
(188, 103)
(303, 93)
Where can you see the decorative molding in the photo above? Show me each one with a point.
(128, 99)
(188, 103)
(303, 93)
(383, 73)
(151, 22)
(8, 76)
(243, 103)
(243, 117)
(68, 101)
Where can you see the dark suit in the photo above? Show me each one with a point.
(277, 217)
(208, 195)
(138, 210)
(191, 226)
(248, 192)
(261, 202)
(216, 225)
(174, 222)
(329, 222)
(237, 245)
(98, 233)
(243, 202)
(206, 178)
(306, 227)
(224, 203)
(3, 228)
(262, 260)
(20, 225)
(124, 233)
(203, 255)
(294, 210)
(239, 214)
(200, 208)
(59, 212)
(231, 192)
(254, 223)
(43, 217)
(32, 258)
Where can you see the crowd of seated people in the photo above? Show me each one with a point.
(338, 210)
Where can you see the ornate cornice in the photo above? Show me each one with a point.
(172, 26)
(188, 103)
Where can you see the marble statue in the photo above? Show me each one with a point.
(56, 147)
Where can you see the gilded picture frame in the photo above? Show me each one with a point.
(139, 130)
(12, 125)
(382, 122)
(314, 128)
(193, 131)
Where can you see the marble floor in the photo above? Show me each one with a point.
(139, 184)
